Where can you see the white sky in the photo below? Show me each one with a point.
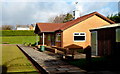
(32, 11)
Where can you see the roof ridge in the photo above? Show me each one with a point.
(79, 18)
(49, 23)
(52, 27)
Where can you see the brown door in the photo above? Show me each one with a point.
(105, 41)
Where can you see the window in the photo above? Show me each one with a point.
(94, 43)
(49, 37)
(118, 35)
(58, 37)
(78, 37)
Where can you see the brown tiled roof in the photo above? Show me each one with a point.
(52, 27)
(80, 19)
(49, 27)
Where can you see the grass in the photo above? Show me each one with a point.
(78, 62)
(14, 61)
(98, 63)
(18, 39)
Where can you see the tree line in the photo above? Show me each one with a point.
(114, 17)
(62, 18)
(68, 17)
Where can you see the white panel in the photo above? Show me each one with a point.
(118, 35)
(94, 43)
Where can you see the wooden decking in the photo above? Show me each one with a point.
(51, 64)
(65, 52)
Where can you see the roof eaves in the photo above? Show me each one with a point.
(37, 28)
(105, 18)
(106, 26)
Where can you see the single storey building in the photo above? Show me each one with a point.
(72, 32)
(106, 40)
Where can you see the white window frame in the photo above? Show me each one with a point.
(79, 35)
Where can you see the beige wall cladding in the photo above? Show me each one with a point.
(84, 26)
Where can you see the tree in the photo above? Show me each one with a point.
(57, 19)
(7, 27)
(61, 18)
(115, 17)
(68, 17)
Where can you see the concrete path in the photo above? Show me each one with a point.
(51, 64)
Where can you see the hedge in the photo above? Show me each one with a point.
(17, 33)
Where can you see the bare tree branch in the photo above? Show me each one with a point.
(7, 27)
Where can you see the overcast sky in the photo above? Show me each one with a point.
(28, 12)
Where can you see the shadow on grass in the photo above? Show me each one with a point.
(4, 71)
(5, 43)
(97, 64)
(31, 72)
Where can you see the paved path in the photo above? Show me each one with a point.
(51, 64)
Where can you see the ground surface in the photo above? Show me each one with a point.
(14, 61)
(51, 62)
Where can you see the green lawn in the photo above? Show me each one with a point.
(98, 63)
(18, 39)
(14, 61)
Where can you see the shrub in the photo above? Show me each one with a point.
(17, 33)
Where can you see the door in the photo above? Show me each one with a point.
(52, 40)
(106, 42)
(94, 43)
(117, 42)
(118, 35)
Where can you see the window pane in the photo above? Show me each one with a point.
(118, 35)
(94, 43)
(49, 37)
(79, 38)
(76, 33)
(58, 37)
(58, 34)
(82, 33)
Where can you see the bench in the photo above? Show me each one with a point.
(48, 48)
(60, 49)
(67, 52)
